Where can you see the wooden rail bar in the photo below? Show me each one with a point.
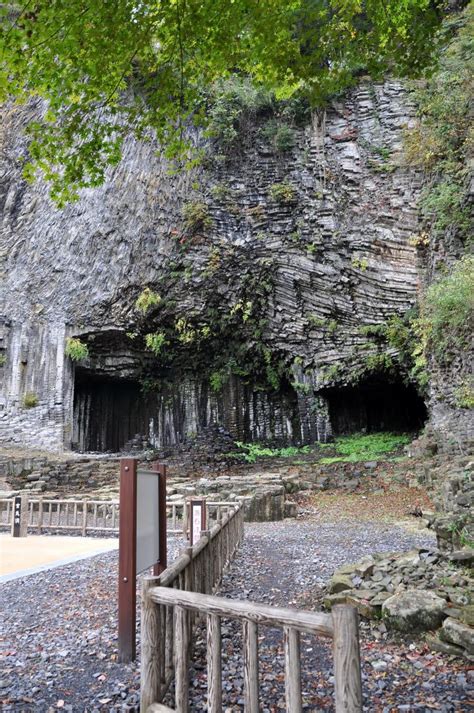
(310, 622)
(342, 625)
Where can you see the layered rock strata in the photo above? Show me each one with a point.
(308, 270)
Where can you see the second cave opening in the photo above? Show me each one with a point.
(375, 404)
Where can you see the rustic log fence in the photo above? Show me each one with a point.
(84, 515)
(197, 571)
(166, 624)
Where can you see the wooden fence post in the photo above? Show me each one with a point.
(214, 673)
(348, 682)
(84, 517)
(150, 665)
(181, 653)
(292, 670)
(40, 515)
(206, 564)
(250, 645)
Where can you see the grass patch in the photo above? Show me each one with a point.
(362, 447)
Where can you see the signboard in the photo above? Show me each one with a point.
(198, 520)
(142, 541)
(17, 517)
(148, 521)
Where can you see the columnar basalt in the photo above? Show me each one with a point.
(297, 254)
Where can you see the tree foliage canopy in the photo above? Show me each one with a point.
(108, 67)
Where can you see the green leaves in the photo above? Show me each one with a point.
(76, 349)
(106, 68)
(447, 316)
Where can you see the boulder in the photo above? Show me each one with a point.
(467, 615)
(436, 644)
(362, 604)
(413, 610)
(333, 599)
(291, 509)
(463, 557)
(459, 634)
(339, 582)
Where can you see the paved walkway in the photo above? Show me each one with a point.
(20, 556)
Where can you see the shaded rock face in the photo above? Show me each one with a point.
(312, 270)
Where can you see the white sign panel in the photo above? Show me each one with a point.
(147, 520)
(197, 520)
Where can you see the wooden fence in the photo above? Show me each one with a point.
(184, 592)
(341, 626)
(198, 570)
(84, 515)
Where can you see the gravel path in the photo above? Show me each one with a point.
(59, 631)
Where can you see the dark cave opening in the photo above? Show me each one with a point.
(108, 413)
(375, 404)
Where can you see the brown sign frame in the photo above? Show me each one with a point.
(127, 584)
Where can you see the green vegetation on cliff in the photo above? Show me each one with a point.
(447, 316)
(76, 349)
(443, 139)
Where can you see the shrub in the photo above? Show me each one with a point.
(444, 205)
(75, 349)
(464, 395)
(359, 263)
(280, 135)
(146, 300)
(217, 379)
(443, 138)
(234, 106)
(30, 400)
(447, 313)
(282, 192)
(155, 341)
(196, 217)
(3, 360)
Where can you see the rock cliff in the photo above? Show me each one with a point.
(270, 267)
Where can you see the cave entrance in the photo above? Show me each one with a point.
(108, 413)
(375, 405)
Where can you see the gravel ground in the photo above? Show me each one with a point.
(59, 643)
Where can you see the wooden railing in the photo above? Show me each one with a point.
(179, 513)
(79, 515)
(178, 608)
(198, 570)
(84, 515)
